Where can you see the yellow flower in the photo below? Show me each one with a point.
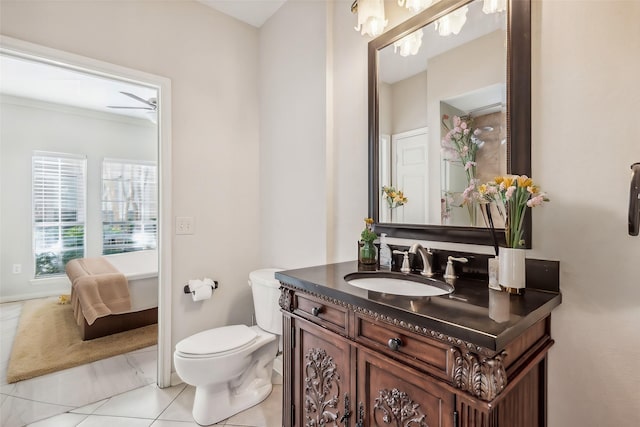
(499, 179)
(533, 189)
(508, 181)
(524, 181)
(482, 189)
(368, 221)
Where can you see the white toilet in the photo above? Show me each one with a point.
(231, 366)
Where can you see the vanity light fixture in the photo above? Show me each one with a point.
(493, 6)
(453, 22)
(410, 44)
(371, 19)
(416, 6)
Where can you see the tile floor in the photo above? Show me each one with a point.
(114, 392)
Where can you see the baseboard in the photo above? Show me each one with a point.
(175, 379)
(31, 295)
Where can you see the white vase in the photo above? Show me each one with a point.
(512, 270)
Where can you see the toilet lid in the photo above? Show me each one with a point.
(217, 340)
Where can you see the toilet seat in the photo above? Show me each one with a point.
(216, 342)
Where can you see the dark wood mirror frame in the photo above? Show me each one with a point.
(518, 119)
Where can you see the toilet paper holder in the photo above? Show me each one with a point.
(187, 289)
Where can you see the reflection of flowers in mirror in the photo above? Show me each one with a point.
(393, 197)
(460, 143)
(446, 205)
(512, 195)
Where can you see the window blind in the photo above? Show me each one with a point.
(129, 206)
(58, 203)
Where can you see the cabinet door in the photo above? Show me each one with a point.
(399, 396)
(321, 377)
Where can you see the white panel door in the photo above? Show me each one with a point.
(410, 159)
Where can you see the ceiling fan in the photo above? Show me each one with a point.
(150, 104)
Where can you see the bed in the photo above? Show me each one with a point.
(114, 293)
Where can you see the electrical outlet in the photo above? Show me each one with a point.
(184, 225)
(17, 268)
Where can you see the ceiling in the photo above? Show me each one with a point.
(55, 84)
(59, 85)
(253, 12)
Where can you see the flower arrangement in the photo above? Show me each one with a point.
(368, 235)
(460, 143)
(393, 197)
(513, 194)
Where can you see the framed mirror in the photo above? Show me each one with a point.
(449, 109)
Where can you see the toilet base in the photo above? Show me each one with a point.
(218, 401)
(213, 404)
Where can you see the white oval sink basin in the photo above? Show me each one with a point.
(399, 285)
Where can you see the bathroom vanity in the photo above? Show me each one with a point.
(357, 357)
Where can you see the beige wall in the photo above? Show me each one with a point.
(212, 61)
(584, 101)
(293, 136)
(409, 103)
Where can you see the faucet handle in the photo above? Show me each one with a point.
(406, 268)
(450, 272)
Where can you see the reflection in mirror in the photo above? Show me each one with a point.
(492, 61)
(442, 96)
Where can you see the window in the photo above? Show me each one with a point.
(58, 189)
(129, 206)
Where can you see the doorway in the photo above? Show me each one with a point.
(139, 101)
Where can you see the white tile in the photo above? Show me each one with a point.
(82, 385)
(165, 423)
(150, 349)
(2, 398)
(267, 414)
(144, 402)
(62, 420)
(145, 365)
(89, 409)
(7, 389)
(16, 412)
(180, 409)
(9, 319)
(10, 310)
(105, 421)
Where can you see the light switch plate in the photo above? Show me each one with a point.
(184, 225)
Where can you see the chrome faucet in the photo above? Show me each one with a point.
(427, 257)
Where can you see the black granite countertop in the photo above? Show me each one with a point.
(473, 313)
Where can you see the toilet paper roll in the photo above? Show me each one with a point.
(195, 284)
(202, 293)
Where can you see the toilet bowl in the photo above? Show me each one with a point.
(231, 366)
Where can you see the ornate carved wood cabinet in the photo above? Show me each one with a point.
(350, 365)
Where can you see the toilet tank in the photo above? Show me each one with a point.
(266, 293)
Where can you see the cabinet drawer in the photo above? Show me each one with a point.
(418, 351)
(321, 312)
